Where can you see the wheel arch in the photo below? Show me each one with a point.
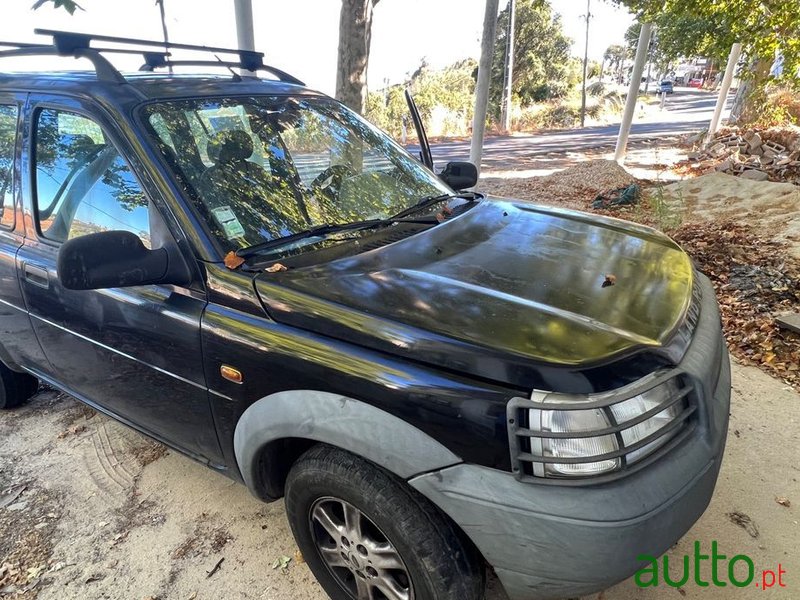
(275, 430)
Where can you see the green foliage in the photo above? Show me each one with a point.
(543, 68)
(451, 90)
(614, 58)
(709, 27)
(69, 5)
(657, 54)
(566, 112)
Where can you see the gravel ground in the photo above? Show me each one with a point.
(102, 512)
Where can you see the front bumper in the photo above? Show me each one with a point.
(553, 541)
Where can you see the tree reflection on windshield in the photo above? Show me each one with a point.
(262, 168)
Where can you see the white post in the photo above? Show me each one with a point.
(484, 77)
(733, 59)
(585, 64)
(509, 66)
(633, 92)
(244, 27)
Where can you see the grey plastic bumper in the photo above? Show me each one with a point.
(548, 541)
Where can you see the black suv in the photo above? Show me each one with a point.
(435, 381)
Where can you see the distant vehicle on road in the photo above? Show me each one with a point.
(696, 82)
(664, 87)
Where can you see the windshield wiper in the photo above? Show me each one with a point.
(431, 200)
(327, 229)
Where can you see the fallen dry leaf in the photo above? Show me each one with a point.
(233, 261)
(74, 430)
(276, 268)
(783, 501)
(282, 563)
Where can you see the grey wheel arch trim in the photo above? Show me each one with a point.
(349, 424)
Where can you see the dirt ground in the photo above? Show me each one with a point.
(99, 511)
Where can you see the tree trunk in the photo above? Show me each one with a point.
(747, 95)
(355, 36)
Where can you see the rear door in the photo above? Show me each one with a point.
(18, 344)
(134, 352)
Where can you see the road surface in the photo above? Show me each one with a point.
(687, 110)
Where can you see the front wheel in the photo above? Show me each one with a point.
(368, 536)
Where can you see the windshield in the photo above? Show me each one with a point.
(263, 167)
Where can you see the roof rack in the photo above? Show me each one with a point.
(67, 43)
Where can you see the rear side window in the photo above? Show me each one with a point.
(8, 141)
(83, 185)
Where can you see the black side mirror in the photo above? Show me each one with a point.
(460, 175)
(111, 259)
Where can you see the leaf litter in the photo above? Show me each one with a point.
(756, 280)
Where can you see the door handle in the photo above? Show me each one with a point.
(36, 275)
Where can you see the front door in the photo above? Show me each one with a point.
(134, 352)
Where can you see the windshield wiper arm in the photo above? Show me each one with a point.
(431, 200)
(322, 230)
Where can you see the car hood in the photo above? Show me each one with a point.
(509, 291)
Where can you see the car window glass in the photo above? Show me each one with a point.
(8, 138)
(160, 127)
(318, 141)
(262, 168)
(83, 185)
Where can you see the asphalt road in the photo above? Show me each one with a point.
(686, 110)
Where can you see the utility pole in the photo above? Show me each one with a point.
(585, 63)
(650, 47)
(484, 78)
(509, 71)
(633, 92)
(733, 59)
(244, 27)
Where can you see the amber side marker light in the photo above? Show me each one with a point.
(231, 374)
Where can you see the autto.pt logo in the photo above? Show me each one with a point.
(704, 570)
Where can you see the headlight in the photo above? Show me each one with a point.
(647, 403)
(613, 431)
(572, 421)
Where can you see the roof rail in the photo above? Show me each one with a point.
(104, 69)
(249, 60)
(67, 43)
(157, 61)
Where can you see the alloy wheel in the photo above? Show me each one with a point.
(359, 555)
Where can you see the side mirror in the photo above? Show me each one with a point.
(111, 259)
(460, 175)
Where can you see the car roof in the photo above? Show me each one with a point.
(145, 85)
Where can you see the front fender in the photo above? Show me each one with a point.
(349, 424)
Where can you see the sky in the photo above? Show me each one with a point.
(301, 36)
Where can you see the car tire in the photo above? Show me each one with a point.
(389, 536)
(15, 387)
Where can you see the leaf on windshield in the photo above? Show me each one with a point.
(276, 268)
(444, 214)
(609, 280)
(233, 261)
